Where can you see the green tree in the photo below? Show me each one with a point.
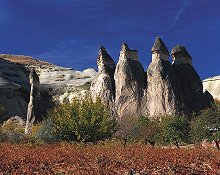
(149, 130)
(175, 129)
(82, 120)
(128, 130)
(138, 129)
(207, 125)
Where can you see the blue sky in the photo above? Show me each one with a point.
(68, 32)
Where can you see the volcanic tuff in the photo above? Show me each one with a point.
(212, 85)
(129, 83)
(57, 84)
(162, 95)
(103, 85)
(126, 88)
(164, 89)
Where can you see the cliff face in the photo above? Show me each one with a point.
(14, 86)
(212, 85)
(56, 84)
(164, 89)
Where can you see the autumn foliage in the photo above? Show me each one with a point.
(74, 159)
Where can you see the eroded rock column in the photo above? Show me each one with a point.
(103, 85)
(162, 84)
(129, 83)
(34, 82)
(191, 84)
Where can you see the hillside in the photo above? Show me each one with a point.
(26, 60)
(56, 83)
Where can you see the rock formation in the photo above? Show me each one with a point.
(162, 84)
(103, 85)
(212, 85)
(165, 89)
(130, 82)
(125, 88)
(13, 90)
(191, 85)
(58, 84)
(32, 105)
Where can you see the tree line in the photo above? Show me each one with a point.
(87, 121)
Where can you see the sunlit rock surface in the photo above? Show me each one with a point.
(212, 85)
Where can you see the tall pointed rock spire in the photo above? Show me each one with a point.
(159, 47)
(129, 83)
(191, 84)
(104, 60)
(161, 93)
(103, 85)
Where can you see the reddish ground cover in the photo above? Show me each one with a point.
(107, 159)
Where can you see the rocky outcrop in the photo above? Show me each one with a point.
(130, 82)
(13, 89)
(125, 88)
(165, 89)
(58, 84)
(32, 105)
(191, 85)
(103, 85)
(162, 84)
(212, 85)
(16, 120)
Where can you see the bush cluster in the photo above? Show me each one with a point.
(176, 130)
(81, 120)
(88, 121)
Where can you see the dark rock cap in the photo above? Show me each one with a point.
(124, 47)
(180, 50)
(103, 52)
(105, 56)
(160, 47)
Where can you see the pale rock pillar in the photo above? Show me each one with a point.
(162, 84)
(129, 83)
(103, 85)
(34, 82)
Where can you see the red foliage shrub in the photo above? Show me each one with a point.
(105, 159)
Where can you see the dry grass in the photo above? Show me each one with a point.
(24, 60)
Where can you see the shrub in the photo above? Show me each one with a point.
(46, 131)
(128, 130)
(149, 130)
(82, 120)
(138, 129)
(175, 129)
(207, 125)
(11, 132)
